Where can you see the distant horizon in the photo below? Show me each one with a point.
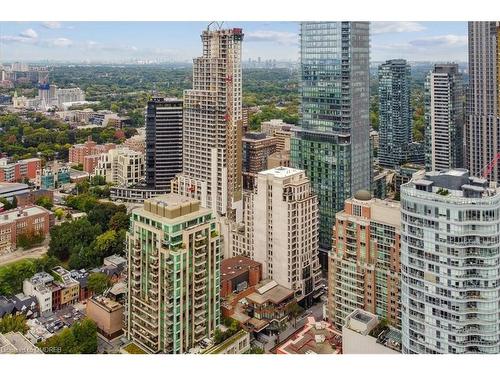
(185, 62)
(121, 41)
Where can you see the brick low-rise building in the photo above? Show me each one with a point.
(78, 152)
(30, 198)
(24, 220)
(239, 273)
(107, 315)
(17, 171)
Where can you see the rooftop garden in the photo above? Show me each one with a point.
(133, 349)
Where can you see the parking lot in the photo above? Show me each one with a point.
(60, 319)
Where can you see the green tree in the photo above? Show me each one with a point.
(98, 282)
(69, 237)
(13, 323)
(120, 220)
(29, 239)
(255, 350)
(45, 202)
(294, 310)
(81, 338)
(59, 213)
(97, 180)
(106, 244)
(12, 276)
(8, 205)
(102, 213)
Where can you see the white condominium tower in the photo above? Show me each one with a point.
(450, 264)
(444, 118)
(285, 231)
(212, 146)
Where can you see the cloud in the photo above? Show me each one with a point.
(384, 27)
(29, 33)
(449, 40)
(30, 36)
(60, 42)
(280, 37)
(52, 25)
(15, 39)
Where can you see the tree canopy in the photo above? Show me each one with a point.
(81, 338)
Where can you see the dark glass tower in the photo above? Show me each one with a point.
(163, 141)
(395, 129)
(333, 144)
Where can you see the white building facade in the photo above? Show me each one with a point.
(450, 264)
(285, 231)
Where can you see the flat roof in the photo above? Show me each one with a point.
(171, 199)
(7, 187)
(365, 318)
(233, 267)
(106, 303)
(282, 172)
(18, 213)
(17, 343)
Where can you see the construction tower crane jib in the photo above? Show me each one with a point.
(217, 25)
(491, 165)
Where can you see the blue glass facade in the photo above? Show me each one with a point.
(395, 129)
(334, 124)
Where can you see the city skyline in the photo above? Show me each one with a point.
(171, 41)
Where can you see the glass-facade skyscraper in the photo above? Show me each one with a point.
(482, 128)
(395, 129)
(332, 143)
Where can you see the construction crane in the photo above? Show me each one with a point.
(489, 168)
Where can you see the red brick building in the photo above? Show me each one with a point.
(17, 171)
(77, 153)
(28, 219)
(31, 197)
(239, 273)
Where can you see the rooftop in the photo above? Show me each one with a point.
(368, 324)
(314, 338)
(7, 187)
(272, 292)
(281, 172)
(453, 183)
(233, 267)
(172, 206)
(108, 304)
(16, 343)
(361, 321)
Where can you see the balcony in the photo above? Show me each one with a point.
(198, 304)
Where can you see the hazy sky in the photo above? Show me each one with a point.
(180, 41)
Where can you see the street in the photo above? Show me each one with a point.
(36, 252)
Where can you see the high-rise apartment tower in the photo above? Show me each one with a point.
(332, 143)
(450, 264)
(395, 130)
(212, 146)
(483, 110)
(163, 141)
(444, 118)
